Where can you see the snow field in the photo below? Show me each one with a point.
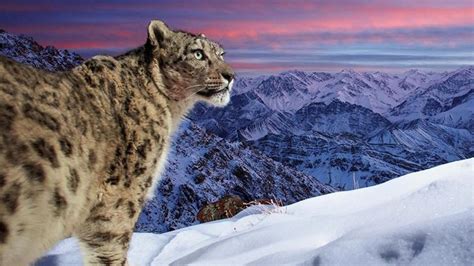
(423, 218)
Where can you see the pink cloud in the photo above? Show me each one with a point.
(360, 19)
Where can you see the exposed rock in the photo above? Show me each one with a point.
(225, 207)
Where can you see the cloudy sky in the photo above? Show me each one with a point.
(267, 36)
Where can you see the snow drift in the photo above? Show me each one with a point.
(423, 218)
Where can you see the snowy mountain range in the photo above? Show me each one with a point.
(297, 135)
(351, 129)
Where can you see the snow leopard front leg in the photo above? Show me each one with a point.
(105, 235)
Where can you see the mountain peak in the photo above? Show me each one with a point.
(466, 70)
(413, 71)
(25, 49)
(293, 71)
(349, 71)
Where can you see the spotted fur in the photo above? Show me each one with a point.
(81, 150)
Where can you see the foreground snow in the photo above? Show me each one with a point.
(424, 218)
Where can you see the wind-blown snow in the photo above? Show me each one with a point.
(423, 218)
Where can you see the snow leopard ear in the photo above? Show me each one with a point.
(158, 31)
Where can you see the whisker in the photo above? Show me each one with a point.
(194, 86)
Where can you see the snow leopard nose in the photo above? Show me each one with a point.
(228, 76)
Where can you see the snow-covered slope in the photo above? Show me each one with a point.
(459, 114)
(448, 143)
(424, 218)
(24, 49)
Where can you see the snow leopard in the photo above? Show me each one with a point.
(82, 150)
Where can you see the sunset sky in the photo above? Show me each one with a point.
(267, 36)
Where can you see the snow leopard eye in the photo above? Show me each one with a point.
(199, 55)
